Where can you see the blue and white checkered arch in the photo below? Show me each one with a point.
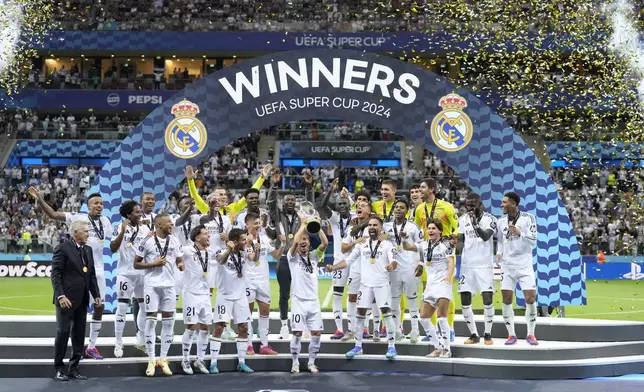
(495, 161)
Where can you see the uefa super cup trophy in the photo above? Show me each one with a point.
(308, 212)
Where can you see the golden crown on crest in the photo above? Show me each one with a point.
(453, 101)
(185, 108)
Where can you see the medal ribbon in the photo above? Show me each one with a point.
(430, 216)
(186, 232)
(204, 263)
(430, 249)
(134, 235)
(374, 251)
(343, 230)
(514, 223)
(396, 235)
(237, 263)
(162, 252)
(99, 230)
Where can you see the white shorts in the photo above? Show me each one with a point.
(196, 309)
(382, 295)
(102, 287)
(354, 282)
(212, 275)
(306, 315)
(178, 282)
(340, 277)
(524, 276)
(236, 310)
(476, 280)
(127, 286)
(160, 299)
(404, 282)
(258, 291)
(435, 291)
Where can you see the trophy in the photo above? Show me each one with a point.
(308, 211)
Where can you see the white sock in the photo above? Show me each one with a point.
(488, 314)
(531, 317)
(508, 317)
(284, 323)
(140, 321)
(337, 311)
(186, 343)
(263, 330)
(314, 349)
(150, 335)
(296, 346)
(443, 327)
(468, 316)
(242, 346)
(94, 329)
(167, 335)
(430, 331)
(119, 321)
(375, 314)
(202, 344)
(215, 348)
(391, 329)
(414, 313)
(360, 320)
(351, 315)
(250, 331)
(395, 314)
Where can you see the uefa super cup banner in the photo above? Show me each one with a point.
(346, 85)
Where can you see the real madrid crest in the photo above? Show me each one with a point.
(186, 135)
(452, 129)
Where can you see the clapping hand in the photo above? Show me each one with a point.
(34, 192)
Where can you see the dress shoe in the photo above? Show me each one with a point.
(76, 375)
(60, 376)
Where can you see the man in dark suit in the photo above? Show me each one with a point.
(73, 277)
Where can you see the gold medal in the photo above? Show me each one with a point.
(102, 241)
(429, 263)
(257, 263)
(85, 269)
(239, 275)
(129, 244)
(372, 260)
(205, 274)
(398, 247)
(290, 235)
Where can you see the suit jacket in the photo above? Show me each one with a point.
(67, 276)
(281, 219)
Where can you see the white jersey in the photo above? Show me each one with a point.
(148, 219)
(516, 250)
(182, 232)
(194, 281)
(240, 219)
(304, 274)
(349, 239)
(132, 239)
(215, 226)
(150, 250)
(340, 229)
(434, 257)
(258, 271)
(99, 231)
(407, 260)
(230, 285)
(476, 252)
(373, 274)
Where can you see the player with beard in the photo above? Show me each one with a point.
(339, 221)
(357, 234)
(476, 239)
(517, 237)
(232, 209)
(433, 208)
(100, 229)
(126, 238)
(377, 258)
(286, 223)
(403, 279)
(258, 287)
(438, 256)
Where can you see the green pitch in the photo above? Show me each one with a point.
(613, 300)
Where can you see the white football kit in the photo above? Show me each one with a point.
(353, 271)
(373, 256)
(437, 267)
(231, 303)
(197, 308)
(129, 281)
(182, 234)
(403, 278)
(340, 229)
(516, 252)
(148, 220)
(240, 219)
(159, 282)
(306, 313)
(99, 231)
(477, 259)
(215, 226)
(257, 275)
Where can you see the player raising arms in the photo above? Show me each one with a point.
(197, 311)
(126, 239)
(476, 238)
(100, 229)
(232, 263)
(517, 236)
(158, 255)
(339, 221)
(258, 288)
(377, 258)
(306, 313)
(438, 256)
